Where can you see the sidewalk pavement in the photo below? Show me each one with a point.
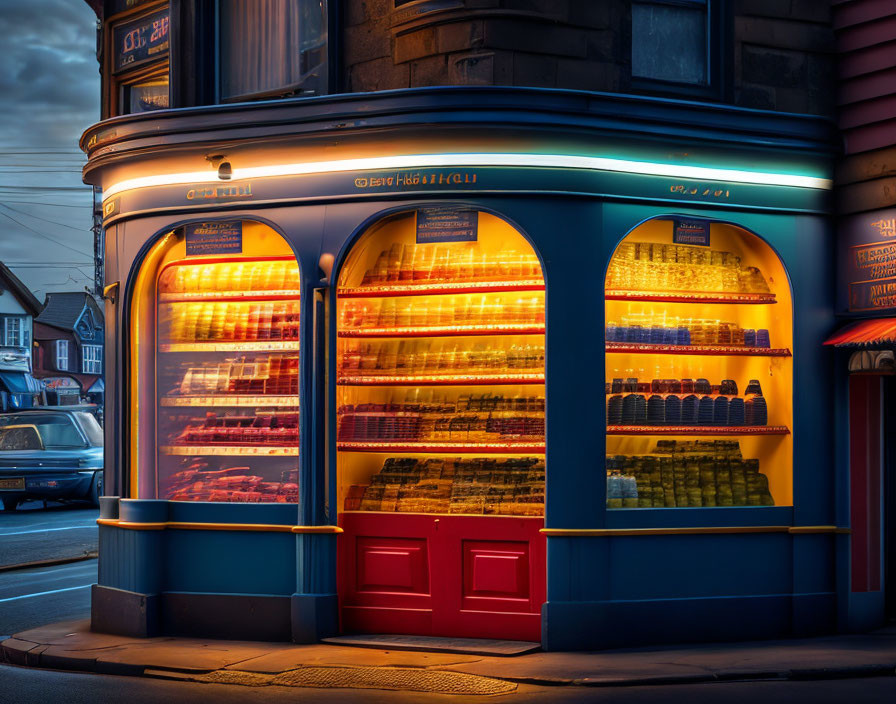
(71, 646)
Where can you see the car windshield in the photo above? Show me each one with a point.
(57, 430)
(91, 427)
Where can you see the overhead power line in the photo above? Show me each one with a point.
(38, 217)
(41, 234)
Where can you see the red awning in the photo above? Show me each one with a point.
(877, 332)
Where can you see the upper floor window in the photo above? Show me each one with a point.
(92, 359)
(272, 48)
(674, 44)
(16, 332)
(62, 355)
(138, 45)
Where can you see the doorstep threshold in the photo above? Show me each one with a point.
(437, 644)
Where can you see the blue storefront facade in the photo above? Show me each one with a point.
(574, 175)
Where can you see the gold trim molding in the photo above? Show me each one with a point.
(701, 530)
(250, 527)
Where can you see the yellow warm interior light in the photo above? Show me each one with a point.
(193, 315)
(455, 303)
(775, 373)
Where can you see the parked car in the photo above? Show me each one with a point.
(53, 452)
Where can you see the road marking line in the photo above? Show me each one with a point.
(48, 530)
(52, 591)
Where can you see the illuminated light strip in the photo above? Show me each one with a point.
(421, 161)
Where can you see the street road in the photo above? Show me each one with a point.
(41, 595)
(29, 686)
(35, 533)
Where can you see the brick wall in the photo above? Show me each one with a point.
(778, 53)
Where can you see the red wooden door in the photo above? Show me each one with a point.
(456, 576)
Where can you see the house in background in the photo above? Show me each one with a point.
(69, 337)
(18, 306)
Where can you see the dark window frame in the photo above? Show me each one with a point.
(718, 30)
(291, 90)
(117, 82)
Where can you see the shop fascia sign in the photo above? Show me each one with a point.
(459, 170)
(868, 261)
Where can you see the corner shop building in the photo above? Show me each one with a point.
(293, 552)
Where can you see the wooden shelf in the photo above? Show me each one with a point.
(441, 288)
(443, 380)
(231, 450)
(446, 331)
(466, 448)
(697, 430)
(239, 296)
(692, 297)
(235, 346)
(716, 350)
(213, 401)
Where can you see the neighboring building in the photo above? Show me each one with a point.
(18, 306)
(866, 293)
(640, 137)
(69, 337)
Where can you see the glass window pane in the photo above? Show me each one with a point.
(699, 393)
(56, 430)
(272, 45)
(669, 43)
(145, 96)
(225, 376)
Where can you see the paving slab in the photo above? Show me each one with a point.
(300, 655)
(194, 656)
(721, 661)
(77, 635)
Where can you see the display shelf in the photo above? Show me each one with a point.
(504, 448)
(443, 380)
(446, 331)
(710, 350)
(189, 297)
(442, 288)
(231, 450)
(697, 430)
(235, 346)
(692, 297)
(219, 401)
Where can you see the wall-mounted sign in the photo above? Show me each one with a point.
(446, 224)
(690, 231)
(206, 238)
(867, 262)
(141, 40)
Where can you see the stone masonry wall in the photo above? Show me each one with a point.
(779, 55)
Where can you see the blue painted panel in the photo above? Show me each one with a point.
(230, 562)
(677, 566)
(814, 560)
(717, 516)
(201, 512)
(866, 611)
(596, 625)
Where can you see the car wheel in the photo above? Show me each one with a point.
(10, 505)
(96, 489)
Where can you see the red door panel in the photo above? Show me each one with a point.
(456, 576)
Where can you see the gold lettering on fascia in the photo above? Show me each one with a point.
(702, 191)
(220, 192)
(413, 179)
(885, 227)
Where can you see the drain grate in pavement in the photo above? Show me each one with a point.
(395, 678)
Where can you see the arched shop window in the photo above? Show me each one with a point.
(699, 369)
(440, 396)
(214, 387)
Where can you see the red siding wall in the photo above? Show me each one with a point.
(866, 43)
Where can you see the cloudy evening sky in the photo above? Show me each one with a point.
(49, 93)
